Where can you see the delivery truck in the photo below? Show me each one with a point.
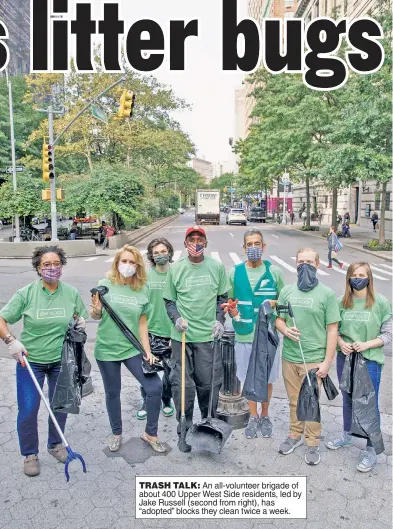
(207, 206)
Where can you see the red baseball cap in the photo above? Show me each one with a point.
(195, 229)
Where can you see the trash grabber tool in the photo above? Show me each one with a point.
(183, 429)
(71, 454)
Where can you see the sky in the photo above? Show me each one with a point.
(211, 92)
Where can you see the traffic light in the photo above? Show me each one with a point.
(127, 102)
(48, 167)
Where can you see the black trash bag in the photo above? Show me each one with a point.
(74, 371)
(160, 346)
(308, 401)
(356, 381)
(330, 388)
(263, 352)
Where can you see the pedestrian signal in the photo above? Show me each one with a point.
(48, 167)
(127, 102)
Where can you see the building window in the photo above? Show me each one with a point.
(330, 201)
(387, 201)
(326, 201)
(289, 3)
(378, 201)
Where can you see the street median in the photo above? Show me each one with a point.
(20, 250)
(134, 236)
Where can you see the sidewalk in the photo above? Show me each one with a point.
(359, 237)
(104, 498)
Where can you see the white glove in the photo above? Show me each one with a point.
(181, 325)
(16, 350)
(218, 330)
(80, 324)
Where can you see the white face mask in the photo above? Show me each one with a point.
(126, 270)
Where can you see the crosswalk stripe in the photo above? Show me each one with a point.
(374, 275)
(389, 267)
(215, 256)
(235, 258)
(143, 252)
(92, 258)
(334, 268)
(320, 272)
(283, 263)
(176, 255)
(380, 270)
(110, 260)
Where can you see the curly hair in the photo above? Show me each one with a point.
(42, 250)
(156, 242)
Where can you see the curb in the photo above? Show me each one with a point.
(369, 252)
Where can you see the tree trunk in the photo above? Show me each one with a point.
(308, 201)
(383, 210)
(89, 161)
(334, 207)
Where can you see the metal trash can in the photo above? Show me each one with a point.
(232, 406)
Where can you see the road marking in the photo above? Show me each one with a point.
(283, 263)
(176, 255)
(110, 260)
(389, 267)
(231, 234)
(276, 236)
(215, 256)
(334, 268)
(143, 252)
(235, 258)
(320, 272)
(374, 268)
(92, 258)
(382, 271)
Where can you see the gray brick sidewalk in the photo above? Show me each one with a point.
(338, 495)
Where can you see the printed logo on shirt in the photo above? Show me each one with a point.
(302, 302)
(198, 281)
(125, 300)
(156, 285)
(44, 314)
(264, 283)
(357, 316)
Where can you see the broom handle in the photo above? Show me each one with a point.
(301, 350)
(52, 416)
(183, 373)
(209, 411)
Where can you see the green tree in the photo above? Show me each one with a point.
(27, 200)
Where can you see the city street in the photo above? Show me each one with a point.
(338, 496)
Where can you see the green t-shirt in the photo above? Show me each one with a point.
(313, 311)
(45, 318)
(111, 344)
(159, 322)
(361, 325)
(194, 288)
(254, 274)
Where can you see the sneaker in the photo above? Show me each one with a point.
(59, 452)
(312, 456)
(340, 442)
(251, 430)
(341, 265)
(168, 409)
(114, 442)
(266, 426)
(367, 460)
(31, 466)
(289, 445)
(329, 266)
(141, 414)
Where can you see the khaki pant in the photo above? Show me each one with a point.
(293, 375)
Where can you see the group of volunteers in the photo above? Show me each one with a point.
(191, 297)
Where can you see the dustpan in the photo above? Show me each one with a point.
(209, 434)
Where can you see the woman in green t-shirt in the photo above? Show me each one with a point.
(46, 306)
(365, 327)
(128, 296)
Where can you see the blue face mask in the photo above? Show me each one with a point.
(306, 277)
(359, 283)
(254, 253)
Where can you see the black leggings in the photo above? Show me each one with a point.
(111, 376)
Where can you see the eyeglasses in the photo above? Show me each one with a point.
(56, 264)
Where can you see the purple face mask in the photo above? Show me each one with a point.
(51, 275)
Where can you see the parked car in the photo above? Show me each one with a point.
(236, 216)
(181, 211)
(257, 214)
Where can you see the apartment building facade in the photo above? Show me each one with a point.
(16, 16)
(203, 167)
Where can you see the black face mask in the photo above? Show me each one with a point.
(359, 283)
(306, 277)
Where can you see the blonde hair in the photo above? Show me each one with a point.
(139, 279)
(348, 296)
(302, 250)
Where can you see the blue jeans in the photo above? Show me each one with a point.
(375, 371)
(29, 401)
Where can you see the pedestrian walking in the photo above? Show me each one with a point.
(316, 311)
(365, 327)
(128, 294)
(333, 244)
(304, 217)
(292, 217)
(251, 283)
(374, 220)
(196, 288)
(159, 255)
(46, 307)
